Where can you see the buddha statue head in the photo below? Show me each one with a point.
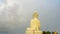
(35, 14)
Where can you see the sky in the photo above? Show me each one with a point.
(15, 15)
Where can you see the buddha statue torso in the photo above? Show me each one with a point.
(35, 23)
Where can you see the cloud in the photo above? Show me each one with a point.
(8, 13)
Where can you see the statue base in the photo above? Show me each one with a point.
(32, 31)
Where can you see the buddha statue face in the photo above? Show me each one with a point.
(35, 15)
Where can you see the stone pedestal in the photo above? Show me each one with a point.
(32, 31)
(38, 32)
